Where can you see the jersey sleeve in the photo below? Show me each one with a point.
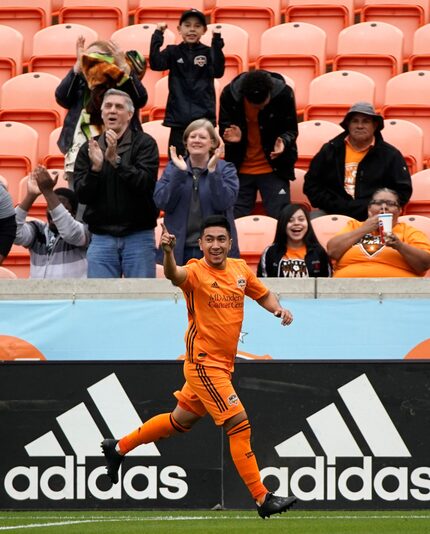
(255, 289)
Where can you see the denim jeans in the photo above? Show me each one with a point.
(130, 256)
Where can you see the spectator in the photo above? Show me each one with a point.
(362, 251)
(58, 248)
(258, 123)
(115, 176)
(99, 67)
(347, 170)
(190, 189)
(296, 251)
(7, 222)
(192, 68)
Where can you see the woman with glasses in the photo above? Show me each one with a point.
(363, 250)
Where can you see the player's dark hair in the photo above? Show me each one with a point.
(257, 86)
(215, 220)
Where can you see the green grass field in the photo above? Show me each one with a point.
(232, 522)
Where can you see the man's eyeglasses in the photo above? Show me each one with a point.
(389, 203)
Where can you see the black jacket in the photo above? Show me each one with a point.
(119, 200)
(73, 90)
(192, 69)
(277, 119)
(382, 166)
(316, 259)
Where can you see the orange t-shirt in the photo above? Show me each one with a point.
(215, 300)
(293, 263)
(255, 161)
(370, 258)
(352, 160)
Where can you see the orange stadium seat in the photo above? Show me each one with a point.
(11, 51)
(161, 134)
(138, 37)
(103, 16)
(407, 15)
(373, 48)
(333, 93)
(407, 97)
(18, 153)
(54, 48)
(254, 16)
(54, 158)
(18, 261)
(418, 221)
(420, 57)
(39, 207)
(419, 203)
(331, 16)
(296, 189)
(408, 138)
(40, 111)
(327, 226)
(236, 50)
(254, 233)
(7, 273)
(312, 135)
(26, 16)
(296, 49)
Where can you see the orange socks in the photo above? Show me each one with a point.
(244, 459)
(160, 426)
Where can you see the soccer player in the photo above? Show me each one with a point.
(214, 288)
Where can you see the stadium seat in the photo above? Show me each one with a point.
(30, 98)
(333, 93)
(54, 48)
(327, 226)
(103, 16)
(54, 158)
(407, 97)
(39, 207)
(26, 16)
(296, 189)
(418, 221)
(11, 51)
(408, 138)
(161, 134)
(18, 261)
(236, 50)
(312, 135)
(419, 203)
(374, 49)
(254, 233)
(18, 153)
(297, 49)
(138, 37)
(331, 16)
(254, 16)
(420, 57)
(407, 15)
(7, 273)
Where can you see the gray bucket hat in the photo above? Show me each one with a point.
(366, 109)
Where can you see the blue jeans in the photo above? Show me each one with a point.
(130, 256)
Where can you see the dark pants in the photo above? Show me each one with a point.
(274, 192)
(176, 139)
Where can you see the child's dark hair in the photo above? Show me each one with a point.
(70, 195)
(215, 220)
(257, 86)
(281, 240)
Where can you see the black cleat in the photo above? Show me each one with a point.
(113, 458)
(275, 505)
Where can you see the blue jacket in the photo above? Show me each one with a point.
(218, 193)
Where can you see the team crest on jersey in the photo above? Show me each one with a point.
(233, 399)
(200, 61)
(241, 282)
(371, 244)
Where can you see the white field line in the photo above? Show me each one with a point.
(197, 518)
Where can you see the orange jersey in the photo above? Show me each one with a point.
(215, 300)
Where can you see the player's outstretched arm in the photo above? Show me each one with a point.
(171, 271)
(271, 303)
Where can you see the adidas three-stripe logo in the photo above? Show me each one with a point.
(336, 438)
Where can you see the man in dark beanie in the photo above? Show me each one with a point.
(345, 173)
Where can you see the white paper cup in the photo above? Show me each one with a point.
(386, 222)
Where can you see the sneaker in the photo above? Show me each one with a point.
(113, 458)
(275, 505)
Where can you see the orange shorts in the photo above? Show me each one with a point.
(209, 390)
